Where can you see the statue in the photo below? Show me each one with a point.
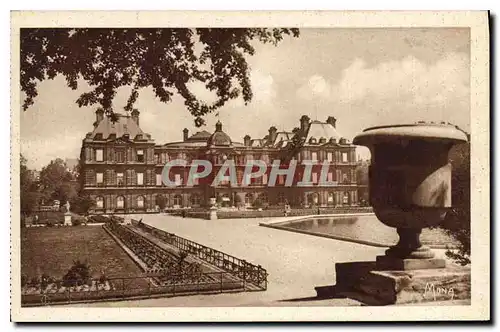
(67, 206)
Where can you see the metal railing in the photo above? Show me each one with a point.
(122, 288)
(249, 273)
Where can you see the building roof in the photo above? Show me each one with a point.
(200, 136)
(186, 144)
(281, 139)
(257, 142)
(219, 137)
(319, 130)
(106, 129)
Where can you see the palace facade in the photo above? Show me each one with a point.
(121, 167)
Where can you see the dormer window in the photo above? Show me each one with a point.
(140, 156)
(112, 136)
(312, 140)
(98, 137)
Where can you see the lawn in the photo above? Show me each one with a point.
(52, 250)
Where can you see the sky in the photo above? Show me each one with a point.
(362, 77)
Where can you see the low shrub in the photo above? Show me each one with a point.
(76, 221)
(77, 275)
(24, 280)
(51, 222)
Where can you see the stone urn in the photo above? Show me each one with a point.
(410, 185)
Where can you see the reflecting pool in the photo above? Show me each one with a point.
(365, 229)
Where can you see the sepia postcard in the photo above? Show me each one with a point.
(250, 166)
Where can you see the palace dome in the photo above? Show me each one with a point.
(219, 138)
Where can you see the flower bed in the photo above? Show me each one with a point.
(120, 289)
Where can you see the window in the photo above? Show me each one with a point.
(248, 199)
(99, 202)
(330, 198)
(344, 178)
(314, 177)
(330, 177)
(157, 158)
(120, 202)
(345, 199)
(344, 157)
(281, 179)
(178, 200)
(264, 198)
(140, 156)
(315, 198)
(120, 156)
(99, 155)
(140, 179)
(178, 180)
(99, 178)
(140, 202)
(281, 198)
(329, 156)
(119, 179)
(195, 200)
(314, 156)
(158, 179)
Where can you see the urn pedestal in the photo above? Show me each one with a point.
(410, 189)
(67, 219)
(212, 212)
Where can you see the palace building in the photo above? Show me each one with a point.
(121, 167)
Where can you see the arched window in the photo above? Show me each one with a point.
(331, 198)
(345, 199)
(178, 200)
(195, 200)
(161, 201)
(140, 202)
(99, 202)
(315, 198)
(281, 198)
(120, 202)
(248, 199)
(264, 198)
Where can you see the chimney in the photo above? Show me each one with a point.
(272, 134)
(135, 115)
(304, 123)
(331, 120)
(99, 116)
(185, 133)
(246, 140)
